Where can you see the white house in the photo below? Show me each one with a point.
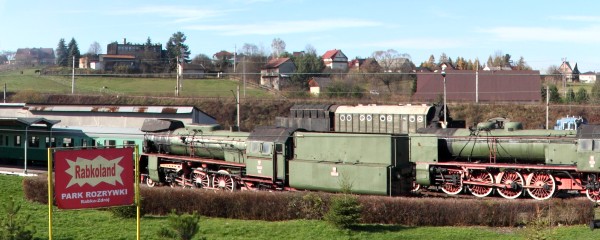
(335, 59)
(276, 73)
(588, 77)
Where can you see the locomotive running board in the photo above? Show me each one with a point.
(500, 165)
(196, 159)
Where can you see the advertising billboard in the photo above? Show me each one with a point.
(93, 178)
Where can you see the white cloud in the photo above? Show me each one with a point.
(542, 34)
(180, 14)
(417, 43)
(284, 27)
(579, 18)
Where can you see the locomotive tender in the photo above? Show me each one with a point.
(495, 156)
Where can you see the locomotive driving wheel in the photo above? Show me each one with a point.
(150, 182)
(593, 193)
(483, 177)
(415, 187)
(544, 184)
(513, 184)
(200, 180)
(223, 180)
(454, 185)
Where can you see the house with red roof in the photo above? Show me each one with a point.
(318, 85)
(335, 59)
(276, 73)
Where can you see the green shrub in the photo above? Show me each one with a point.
(184, 226)
(344, 211)
(13, 227)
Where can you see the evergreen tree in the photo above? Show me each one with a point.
(522, 65)
(554, 95)
(570, 96)
(176, 48)
(73, 51)
(582, 96)
(307, 65)
(61, 53)
(596, 92)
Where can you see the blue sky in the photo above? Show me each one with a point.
(543, 32)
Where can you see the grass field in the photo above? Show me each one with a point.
(96, 224)
(31, 81)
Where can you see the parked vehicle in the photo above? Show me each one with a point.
(493, 157)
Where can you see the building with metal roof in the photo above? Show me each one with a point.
(482, 86)
(116, 116)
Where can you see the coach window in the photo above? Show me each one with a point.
(1, 140)
(67, 142)
(34, 141)
(128, 143)
(84, 143)
(17, 141)
(50, 142)
(110, 143)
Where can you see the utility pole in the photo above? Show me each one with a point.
(477, 85)
(73, 77)
(236, 98)
(547, 105)
(234, 57)
(238, 107)
(244, 74)
(177, 86)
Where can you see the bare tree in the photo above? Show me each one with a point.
(95, 48)
(249, 49)
(443, 58)
(394, 66)
(277, 47)
(553, 75)
(310, 49)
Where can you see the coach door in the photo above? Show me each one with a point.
(279, 161)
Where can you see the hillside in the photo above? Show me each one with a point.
(216, 97)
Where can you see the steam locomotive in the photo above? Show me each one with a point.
(381, 157)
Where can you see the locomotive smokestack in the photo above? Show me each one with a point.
(124, 40)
